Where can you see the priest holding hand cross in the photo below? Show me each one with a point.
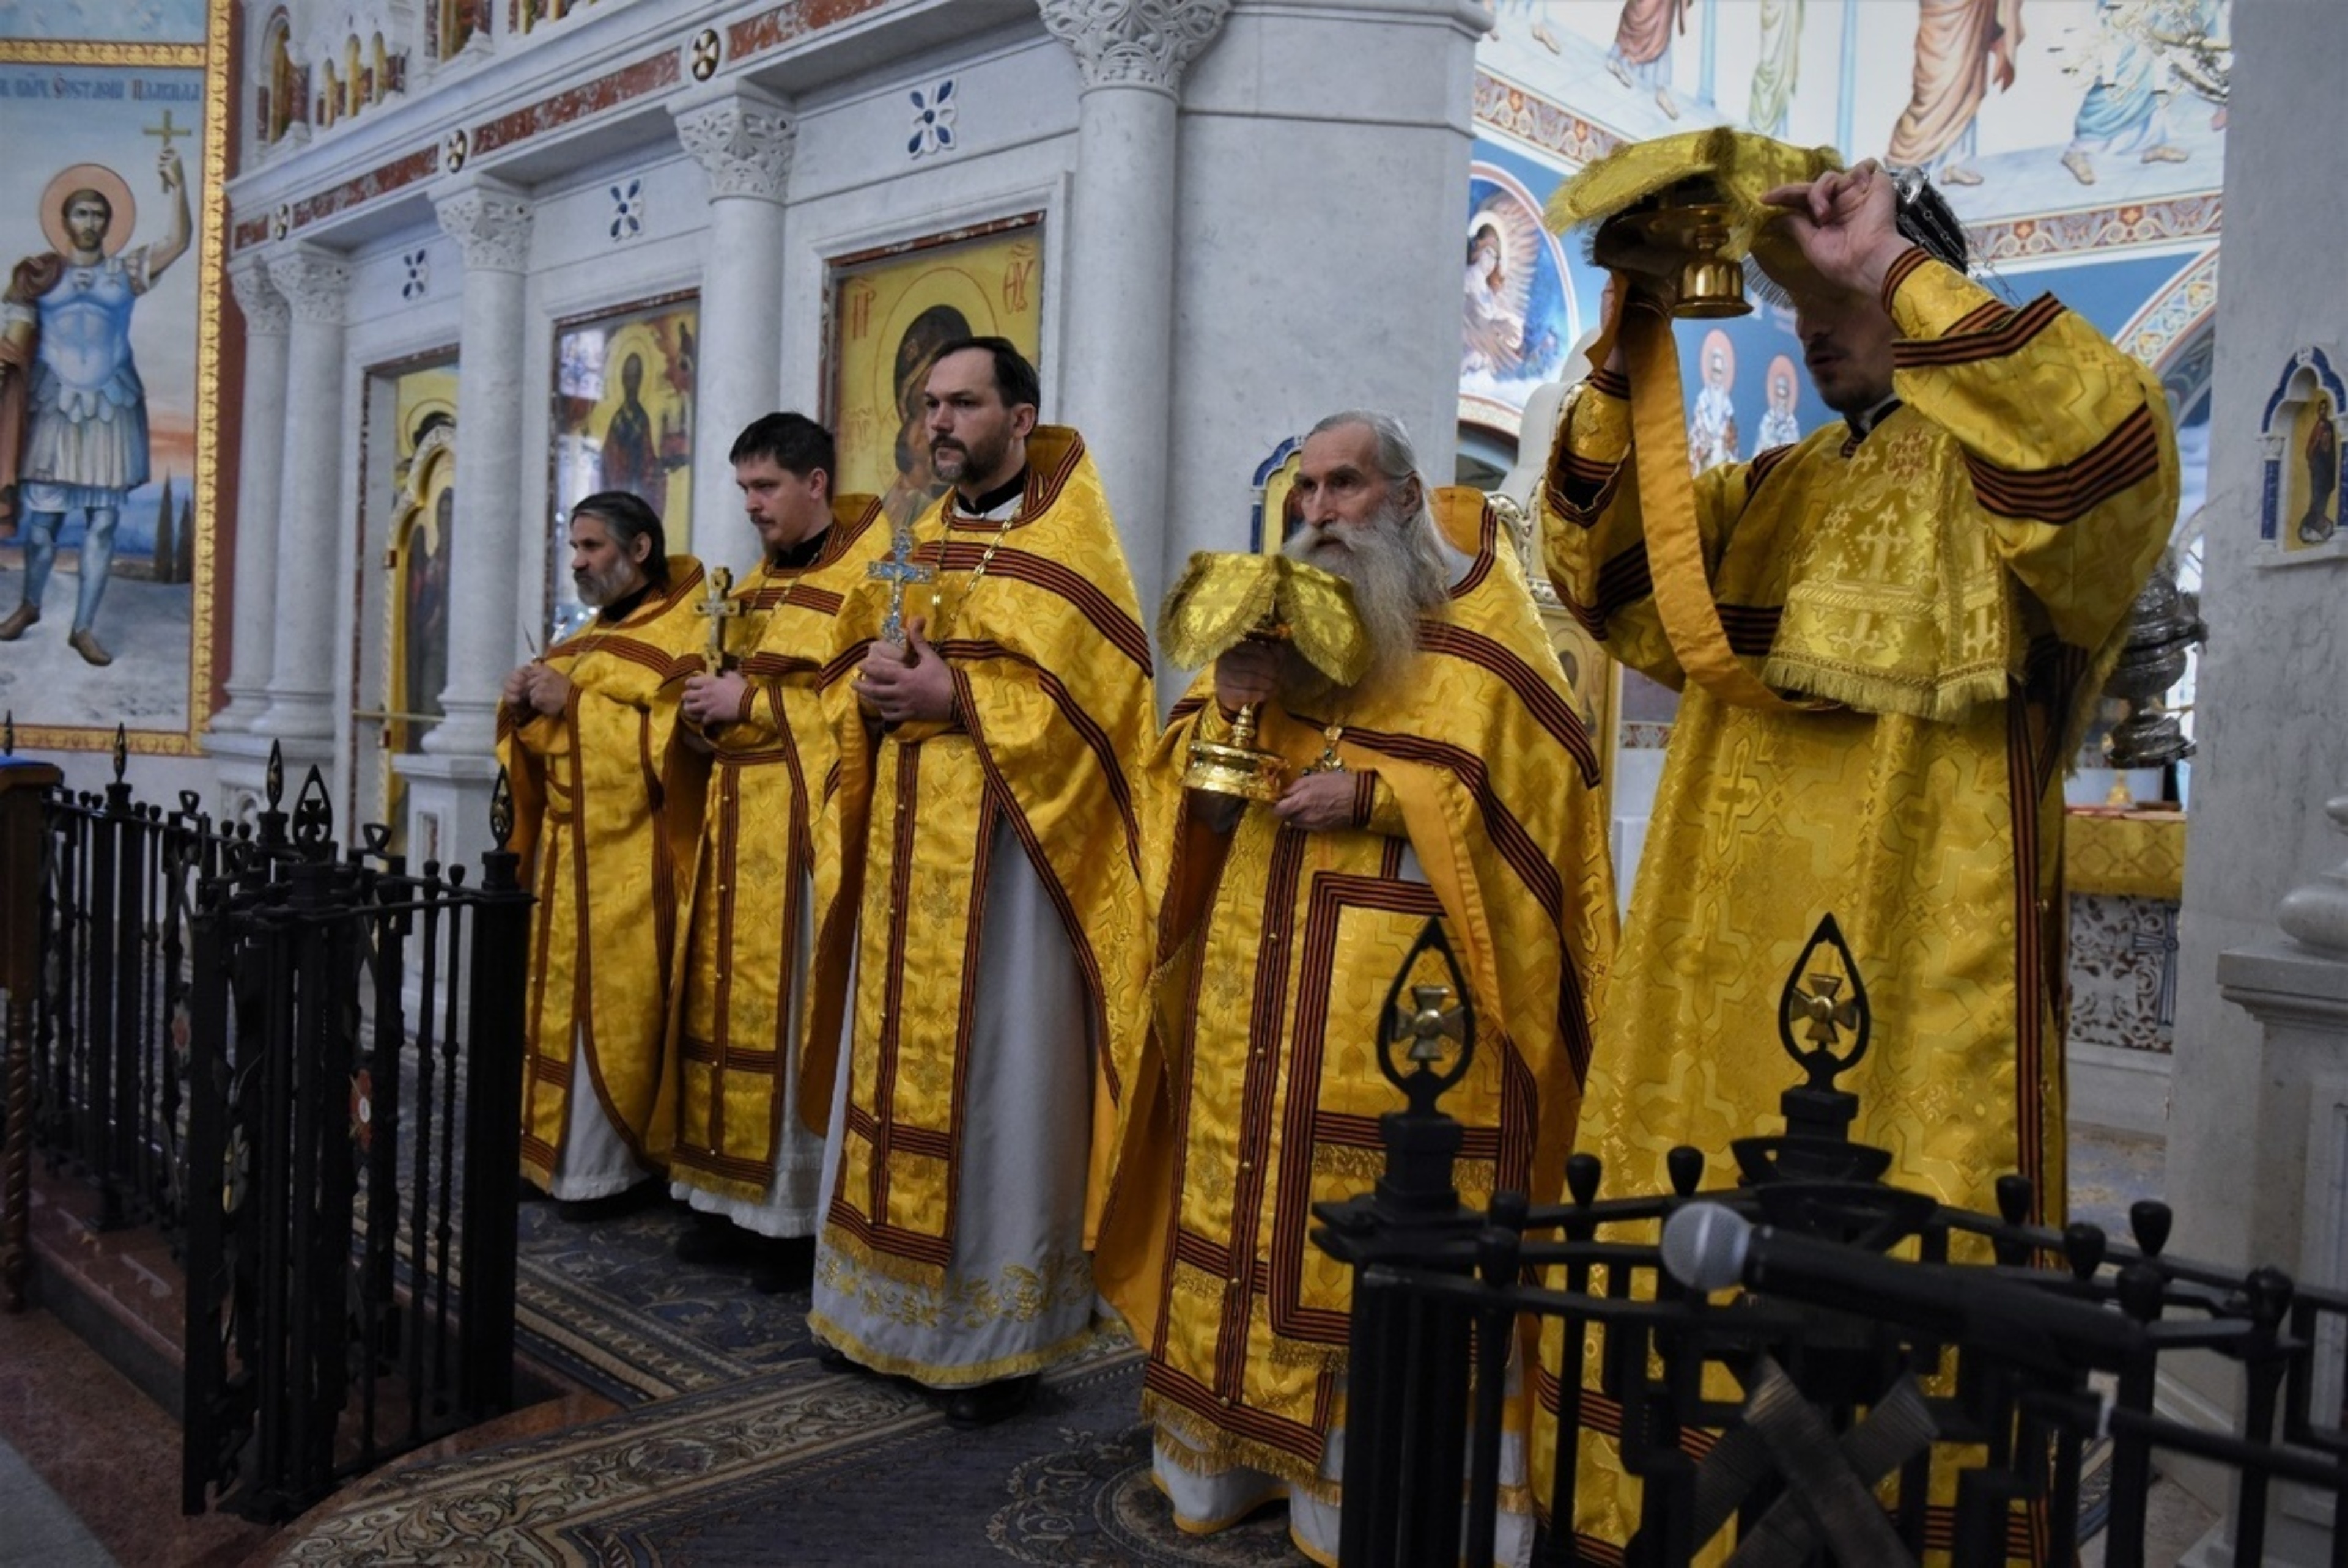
(983, 970)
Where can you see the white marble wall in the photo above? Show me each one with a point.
(1312, 215)
(2273, 749)
(1323, 162)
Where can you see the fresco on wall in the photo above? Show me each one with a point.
(1516, 320)
(2017, 106)
(109, 222)
(2082, 141)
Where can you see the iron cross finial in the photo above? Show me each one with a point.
(1431, 1018)
(1821, 1007)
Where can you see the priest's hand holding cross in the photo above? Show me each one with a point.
(903, 684)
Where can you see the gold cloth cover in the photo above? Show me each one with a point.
(1960, 579)
(1259, 1093)
(1742, 167)
(1223, 597)
(1052, 672)
(589, 826)
(756, 796)
(2125, 854)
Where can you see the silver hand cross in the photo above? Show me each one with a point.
(898, 571)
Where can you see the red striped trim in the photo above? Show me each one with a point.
(1580, 470)
(1516, 845)
(1765, 464)
(2029, 956)
(1982, 317)
(775, 666)
(1752, 628)
(1079, 718)
(1120, 630)
(1612, 383)
(1331, 895)
(842, 665)
(1903, 267)
(1486, 538)
(1276, 959)
(2012, 332)
(1623, 581)
(846, 529)
(1072, 924)
(2066, 492)
(1044, 484)
(1580, 500)
(1230, 1415)
(1588, 619)
(1540, 695)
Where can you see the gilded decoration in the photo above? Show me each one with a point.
(152, 116)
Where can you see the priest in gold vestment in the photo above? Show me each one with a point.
(1892, 635)
(582, 732)
(750, 763)
(1455, 781)
(984, 966)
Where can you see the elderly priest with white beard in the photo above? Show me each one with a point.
(1453, 780)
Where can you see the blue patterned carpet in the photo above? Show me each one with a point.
(736, 1449)
(739, 1448)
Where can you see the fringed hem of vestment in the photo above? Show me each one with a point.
(1013, 1292)
(931, 1375)
(1202, 1448)
(1287, 1352)
(1945, 698)
(916, 1272)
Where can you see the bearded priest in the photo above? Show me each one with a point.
(1452, 783)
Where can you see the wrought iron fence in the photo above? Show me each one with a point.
(302, 1065)
(1855, 1367)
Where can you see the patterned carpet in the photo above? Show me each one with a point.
(737, 1449)
(741, 1450)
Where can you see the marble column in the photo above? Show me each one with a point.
(313, 282)
(743, 141)
(1115, 384)
(450, 781)
(490, 222)
(253, 627)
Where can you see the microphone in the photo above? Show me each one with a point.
(1709, 1247)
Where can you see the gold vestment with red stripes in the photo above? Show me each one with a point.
(1954, 587)
(1476, 800)
(587, 813)
(1054, 713)
(758, 794)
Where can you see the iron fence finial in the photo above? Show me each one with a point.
(501, 810)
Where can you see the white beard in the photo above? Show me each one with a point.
(1398, 574)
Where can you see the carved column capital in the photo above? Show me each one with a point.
(267, 313)
(313, 280)
(489, 221)
(1135, 43)
(742, 139)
